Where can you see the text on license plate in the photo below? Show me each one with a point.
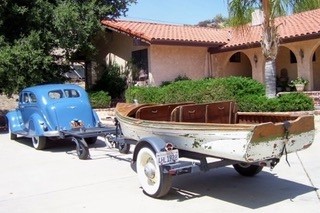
(167, 157)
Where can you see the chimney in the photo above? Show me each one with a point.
(257, 17)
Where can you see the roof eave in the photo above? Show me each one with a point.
(221, 49)
(145, 40)
(300, 38)
(186, 43)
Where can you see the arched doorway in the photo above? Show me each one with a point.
(286, 68)
(238, 65)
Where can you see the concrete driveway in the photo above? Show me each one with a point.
(55, 180)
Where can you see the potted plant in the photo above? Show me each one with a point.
(299, 83)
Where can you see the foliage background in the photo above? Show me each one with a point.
(247, 93)
(31, 30)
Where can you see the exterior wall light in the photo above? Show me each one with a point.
(301, 53)
(255, 59)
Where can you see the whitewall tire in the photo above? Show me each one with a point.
(154, 182)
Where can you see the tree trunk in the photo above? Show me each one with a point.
(270, 78)
(269, 45)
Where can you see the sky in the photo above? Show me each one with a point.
(176, 11)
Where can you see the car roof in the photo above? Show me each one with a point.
(49, 87)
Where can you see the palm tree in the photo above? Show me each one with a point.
(240, 14)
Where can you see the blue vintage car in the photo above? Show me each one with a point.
(56, 111)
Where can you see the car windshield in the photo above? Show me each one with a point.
(67, 93)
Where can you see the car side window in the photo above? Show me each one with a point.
(55, 94)
(25, 98)
(33, 98)
(71, 93)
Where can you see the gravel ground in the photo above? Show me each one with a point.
(7, 104)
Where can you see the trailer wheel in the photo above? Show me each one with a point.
(154, 182)
(246, 169)
(91, 140)
(82, 150)
(39, 142)
(124, 148)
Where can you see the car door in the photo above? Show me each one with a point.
(27, 106)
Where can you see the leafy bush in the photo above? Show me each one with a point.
(247, 93)
(284, 103)
(295, 102)
(99, 99)
(199, 91)
(111, 81)
(179, 78)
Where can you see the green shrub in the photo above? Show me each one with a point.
(111, 81)
(248, 94)
(179, 78)
(199, 91)
(99, 99)
(295, 102)
(284, 103)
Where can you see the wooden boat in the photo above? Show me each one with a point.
(211, 130)
(217, 129)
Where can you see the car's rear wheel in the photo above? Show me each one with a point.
(39, 142)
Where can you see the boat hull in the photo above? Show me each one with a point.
(241, 142)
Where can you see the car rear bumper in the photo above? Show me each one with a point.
(51, 134)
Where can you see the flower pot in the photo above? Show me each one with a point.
(299, 87)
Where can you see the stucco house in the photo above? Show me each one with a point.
(166, 51)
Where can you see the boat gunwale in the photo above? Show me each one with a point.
(125, 115)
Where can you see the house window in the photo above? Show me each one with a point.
(235, 58)
(314, 57)
(140, 61)
(293, 59)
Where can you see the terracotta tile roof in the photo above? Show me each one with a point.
(293, 27)
(164, 33)
(297, 26)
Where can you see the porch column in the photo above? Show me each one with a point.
(304, 65)
(257, 64)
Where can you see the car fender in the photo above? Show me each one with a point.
(37, 125)
(96, 118)
(15, 121)
(156, 143)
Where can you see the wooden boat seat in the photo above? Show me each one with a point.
(157, 112)
(190, 113)
(222, 112)
(218, 112)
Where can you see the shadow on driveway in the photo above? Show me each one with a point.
(227, 185)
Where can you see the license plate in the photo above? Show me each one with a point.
(76, 124)
(167, 157)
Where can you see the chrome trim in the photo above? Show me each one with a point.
(51, 133)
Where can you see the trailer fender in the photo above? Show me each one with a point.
(156, 143)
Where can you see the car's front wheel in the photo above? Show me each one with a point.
(39, 142)
(13, 136)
